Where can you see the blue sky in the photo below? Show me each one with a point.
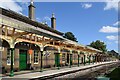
(89, 21)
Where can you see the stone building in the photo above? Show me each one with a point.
(28, 44)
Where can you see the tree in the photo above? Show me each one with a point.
(98, 45)
(70, 35)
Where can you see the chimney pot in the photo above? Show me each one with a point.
(31, 2)
(53, 21)
(31, 10)
(53, 15)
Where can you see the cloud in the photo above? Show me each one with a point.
(46, 18)
(38, 19)
(112, 37)
(117, 42)
(108, 29)
(111, 4)
(12, 5)
(116, 23)
(86, 6)
(108, 42)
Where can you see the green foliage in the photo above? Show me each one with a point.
(118, 57)
(70, 36)
(115, 74)
(98, 45)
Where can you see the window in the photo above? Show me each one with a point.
(36, 57)
(46, 53)
(63, 56)
(9, 57)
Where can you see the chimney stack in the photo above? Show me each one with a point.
(53, 21)
(31, 11)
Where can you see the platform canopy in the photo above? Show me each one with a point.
(23, 29)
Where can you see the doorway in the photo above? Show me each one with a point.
(57, 59)
(23, 59)
(68, 58)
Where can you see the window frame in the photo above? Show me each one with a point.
(36, 56)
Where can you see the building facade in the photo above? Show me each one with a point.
(31, 45)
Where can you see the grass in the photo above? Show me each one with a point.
(115, 74)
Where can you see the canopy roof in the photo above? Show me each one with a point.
(27, 30)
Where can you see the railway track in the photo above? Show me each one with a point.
(101, 72)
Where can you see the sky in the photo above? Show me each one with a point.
(88, 21)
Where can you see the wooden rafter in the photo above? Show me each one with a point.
(6, 31)
(30, 37)
(13, 31)
(36, 38)
(20, 34)
(45, 41)
(1, 27)
(43, 38)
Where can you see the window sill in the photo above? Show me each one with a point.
(35, 63)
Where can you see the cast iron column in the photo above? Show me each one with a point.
(41, 61)
(70, 60)
(84, 60)
(89, 59)
(78, 60)
(58, 61)
(93, 59)
(12, 54)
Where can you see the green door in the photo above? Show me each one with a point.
(57, 59)
(23, 60)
